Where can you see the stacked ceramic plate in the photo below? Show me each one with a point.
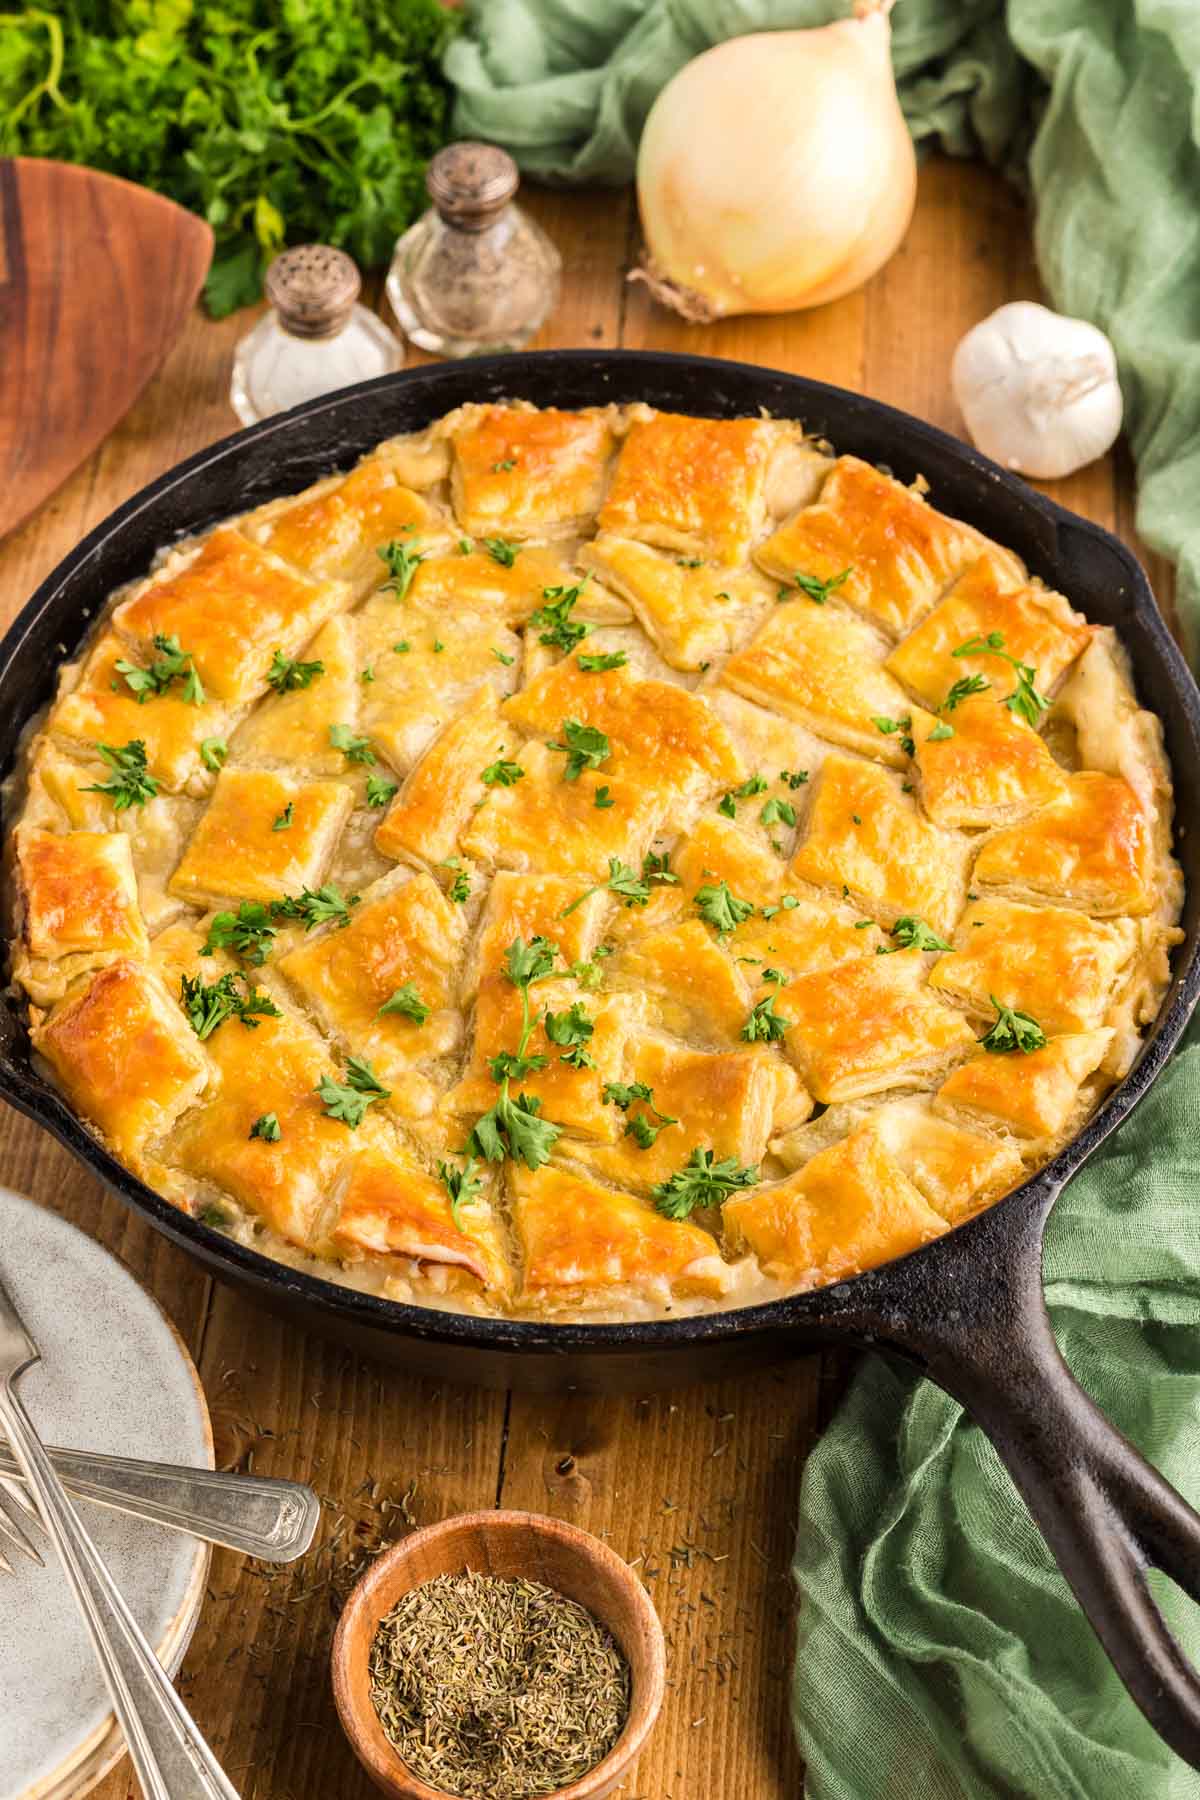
(114, 1377)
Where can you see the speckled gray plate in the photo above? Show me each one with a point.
(114, 1377)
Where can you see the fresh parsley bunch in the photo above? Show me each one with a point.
(275, 120)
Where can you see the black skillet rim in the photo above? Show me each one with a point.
(813, 1310)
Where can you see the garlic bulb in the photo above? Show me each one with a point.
(776, 170)
(1038, 391)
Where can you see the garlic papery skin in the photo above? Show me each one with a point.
(1038, 391)
(776, 170)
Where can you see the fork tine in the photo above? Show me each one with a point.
(13, 1528)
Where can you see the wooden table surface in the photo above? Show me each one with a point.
(699, 1486)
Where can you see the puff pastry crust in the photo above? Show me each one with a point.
(547, 917)
(890, 553)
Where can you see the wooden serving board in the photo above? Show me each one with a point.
(97, 277)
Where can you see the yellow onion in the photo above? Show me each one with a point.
(776, 170)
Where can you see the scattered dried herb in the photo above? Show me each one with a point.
(494, 1689)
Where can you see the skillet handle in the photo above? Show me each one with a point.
(984, 1335)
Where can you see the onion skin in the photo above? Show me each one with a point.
(776, 171)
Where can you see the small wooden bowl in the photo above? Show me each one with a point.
(509, 1544)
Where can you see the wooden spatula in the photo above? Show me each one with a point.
(96, 279)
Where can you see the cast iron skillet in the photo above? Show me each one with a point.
(967, 1309)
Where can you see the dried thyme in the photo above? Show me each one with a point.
(497, 1689)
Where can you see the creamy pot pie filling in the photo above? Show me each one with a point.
(597, 864)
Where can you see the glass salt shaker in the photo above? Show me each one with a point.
(475, 273)
(316, 337)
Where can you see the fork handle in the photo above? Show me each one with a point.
(256, 1514)
(171, 1758)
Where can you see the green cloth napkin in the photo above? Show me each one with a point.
(940, 1654)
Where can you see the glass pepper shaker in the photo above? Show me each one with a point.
(316, 337)
(475, 273)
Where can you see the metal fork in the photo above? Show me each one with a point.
(171, 1758)
(260, 1515)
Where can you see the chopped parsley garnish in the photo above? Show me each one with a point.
(701, 1182)
(889, 726)
(354, 749)
(789, 903)
(658, 868)
(248, 933)
(173, 663)
(407, 1002)
(402, 564)
(502, 774)
(501, 657)
(912, 933)
(558, 627)
(512, 1127)
(501, 468)
(690, 562)
(571, 1029)
(814, 587)
(209, 1004)
(794, 777)
(776, 809)
(721, 908)
(286, 818)
(316, 906)
(1013, 1031)
(754, 784)
(266, 1126)
(402, 647)
(460, 887)
(349, 1101)
(940, 733)
(764, 1023)
(379, 790)
(641, 1127)
(438, 646)
(462, 1185)
(285, 674)
(963, 688)
(600, 663)
(213, 752)
(367, 674)
(504, 553)
(131, 783)
(622, 881)
(1024, 700)
(507, 1063)
(603, 799)
(585, 748)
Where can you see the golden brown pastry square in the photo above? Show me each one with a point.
(583, 1241)
(692, 612)
(231, 605)
(823, 667)
(1033, 1095)
(522, 473)
(890, 552)
(865, 1026)
(981, 765)
(693, 485)
(1038, 626)
(1050, 962)
(1091, 848)
(336, 528)
(849, 1208)
(124, 1055)
(103, 709)
(389, 1207)
(262, 837)
(868, 841)
(77, 904)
